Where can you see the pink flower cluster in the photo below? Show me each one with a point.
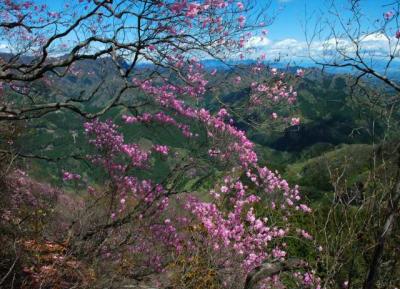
(110, 142)
(276, 92)
(249, 236)
(130, 190)
(166, 96)
(25, 195)
(295, 121)
(308, 279)
(162, 149)
(159, 117)
(67, 176)
(236, 228)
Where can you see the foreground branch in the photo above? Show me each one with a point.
(270, 269)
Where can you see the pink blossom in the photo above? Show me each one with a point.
(241, 20)
(129, 119)
(224, 189)
(193, 10)
(295, 121)
(388, 15)
(299, 72)
(67, 176)
(222, 113)
(162, 149)
(238, 79)
(305, 208)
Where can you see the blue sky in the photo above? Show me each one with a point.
(290, 13)
(286, 38)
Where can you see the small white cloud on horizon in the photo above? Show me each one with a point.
(4, 47)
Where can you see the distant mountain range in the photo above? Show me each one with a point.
(378, 64)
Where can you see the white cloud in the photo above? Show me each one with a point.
(369, 45)
(257, 42)
(375, 37)
(4, 47)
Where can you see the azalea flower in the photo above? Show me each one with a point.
(295, 121)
